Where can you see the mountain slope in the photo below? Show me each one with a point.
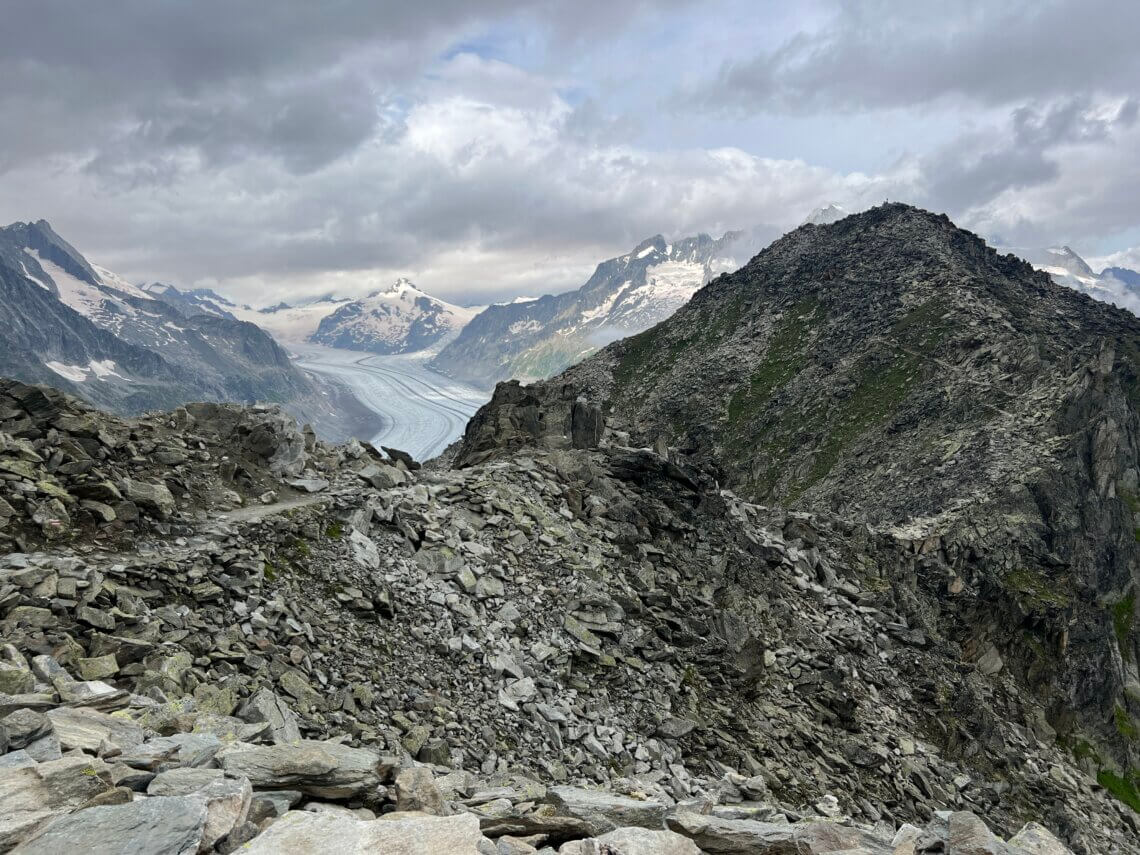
(537, 338)
(69, 322)
(198, 301)
(46, 341)
(893, 370)
(401, 319)
(1131, 278)
(598, 637)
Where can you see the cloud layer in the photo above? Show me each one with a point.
(289, 149)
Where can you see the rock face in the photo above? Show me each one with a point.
(892, 369)
(533, 339)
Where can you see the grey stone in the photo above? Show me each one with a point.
(605, 811)
(1036, 839)
(306, 833)
(174, 824)
(265, 706)
(416, 791)
(155, 498)
(322, 769)
(89, 730)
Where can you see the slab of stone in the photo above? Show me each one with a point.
(322, 769)
(87, 729)
(32, 795)
(307, 833)
(174, 825)
(634, 841)
(605, 811)
(265, 706)
(1036, 839)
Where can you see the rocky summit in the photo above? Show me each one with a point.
(591, 627)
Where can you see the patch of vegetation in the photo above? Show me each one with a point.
(1124, 724)
(1035, 590)
(1083, 750)
(334, 531)
(923, 328)
(783, 360)
(1123, 617)
(878, 391)
(270, 571)
(301, 548)
(1123, 787)
(1129, 498)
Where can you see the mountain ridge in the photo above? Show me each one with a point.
(892, 369)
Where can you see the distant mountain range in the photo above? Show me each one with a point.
(1117, 285)
(533, 339)
(80, 327)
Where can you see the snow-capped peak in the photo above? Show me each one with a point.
(399, 319)
(402, 288)
(830, 213)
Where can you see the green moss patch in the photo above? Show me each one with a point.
(1125, 726)
(1034, 590)
(1123, 619)
(783, 360)
(1123, 787)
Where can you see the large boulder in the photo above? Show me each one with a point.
(605, 811)
(88, 729)
(322, 769)
(1035, 839)
(633, 841)
(750, 837)
(305, 833)
(266, 706)
(31, 795)
(174, 825)
(155, 498)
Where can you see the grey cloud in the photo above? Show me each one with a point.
(977, 167)
(903, 53)
(306, 124)
(122, 84)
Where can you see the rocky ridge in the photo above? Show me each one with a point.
(273, 640)
(892, 369)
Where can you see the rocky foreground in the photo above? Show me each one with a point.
(220, 634)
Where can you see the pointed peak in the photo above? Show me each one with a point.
(828, 214)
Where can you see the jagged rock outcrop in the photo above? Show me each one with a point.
(892, 369)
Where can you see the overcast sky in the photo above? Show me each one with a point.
(284, 149)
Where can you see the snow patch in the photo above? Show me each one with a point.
(85, 298)
(101, 369)
(75, 373)
(114, 280)
(32, 278)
